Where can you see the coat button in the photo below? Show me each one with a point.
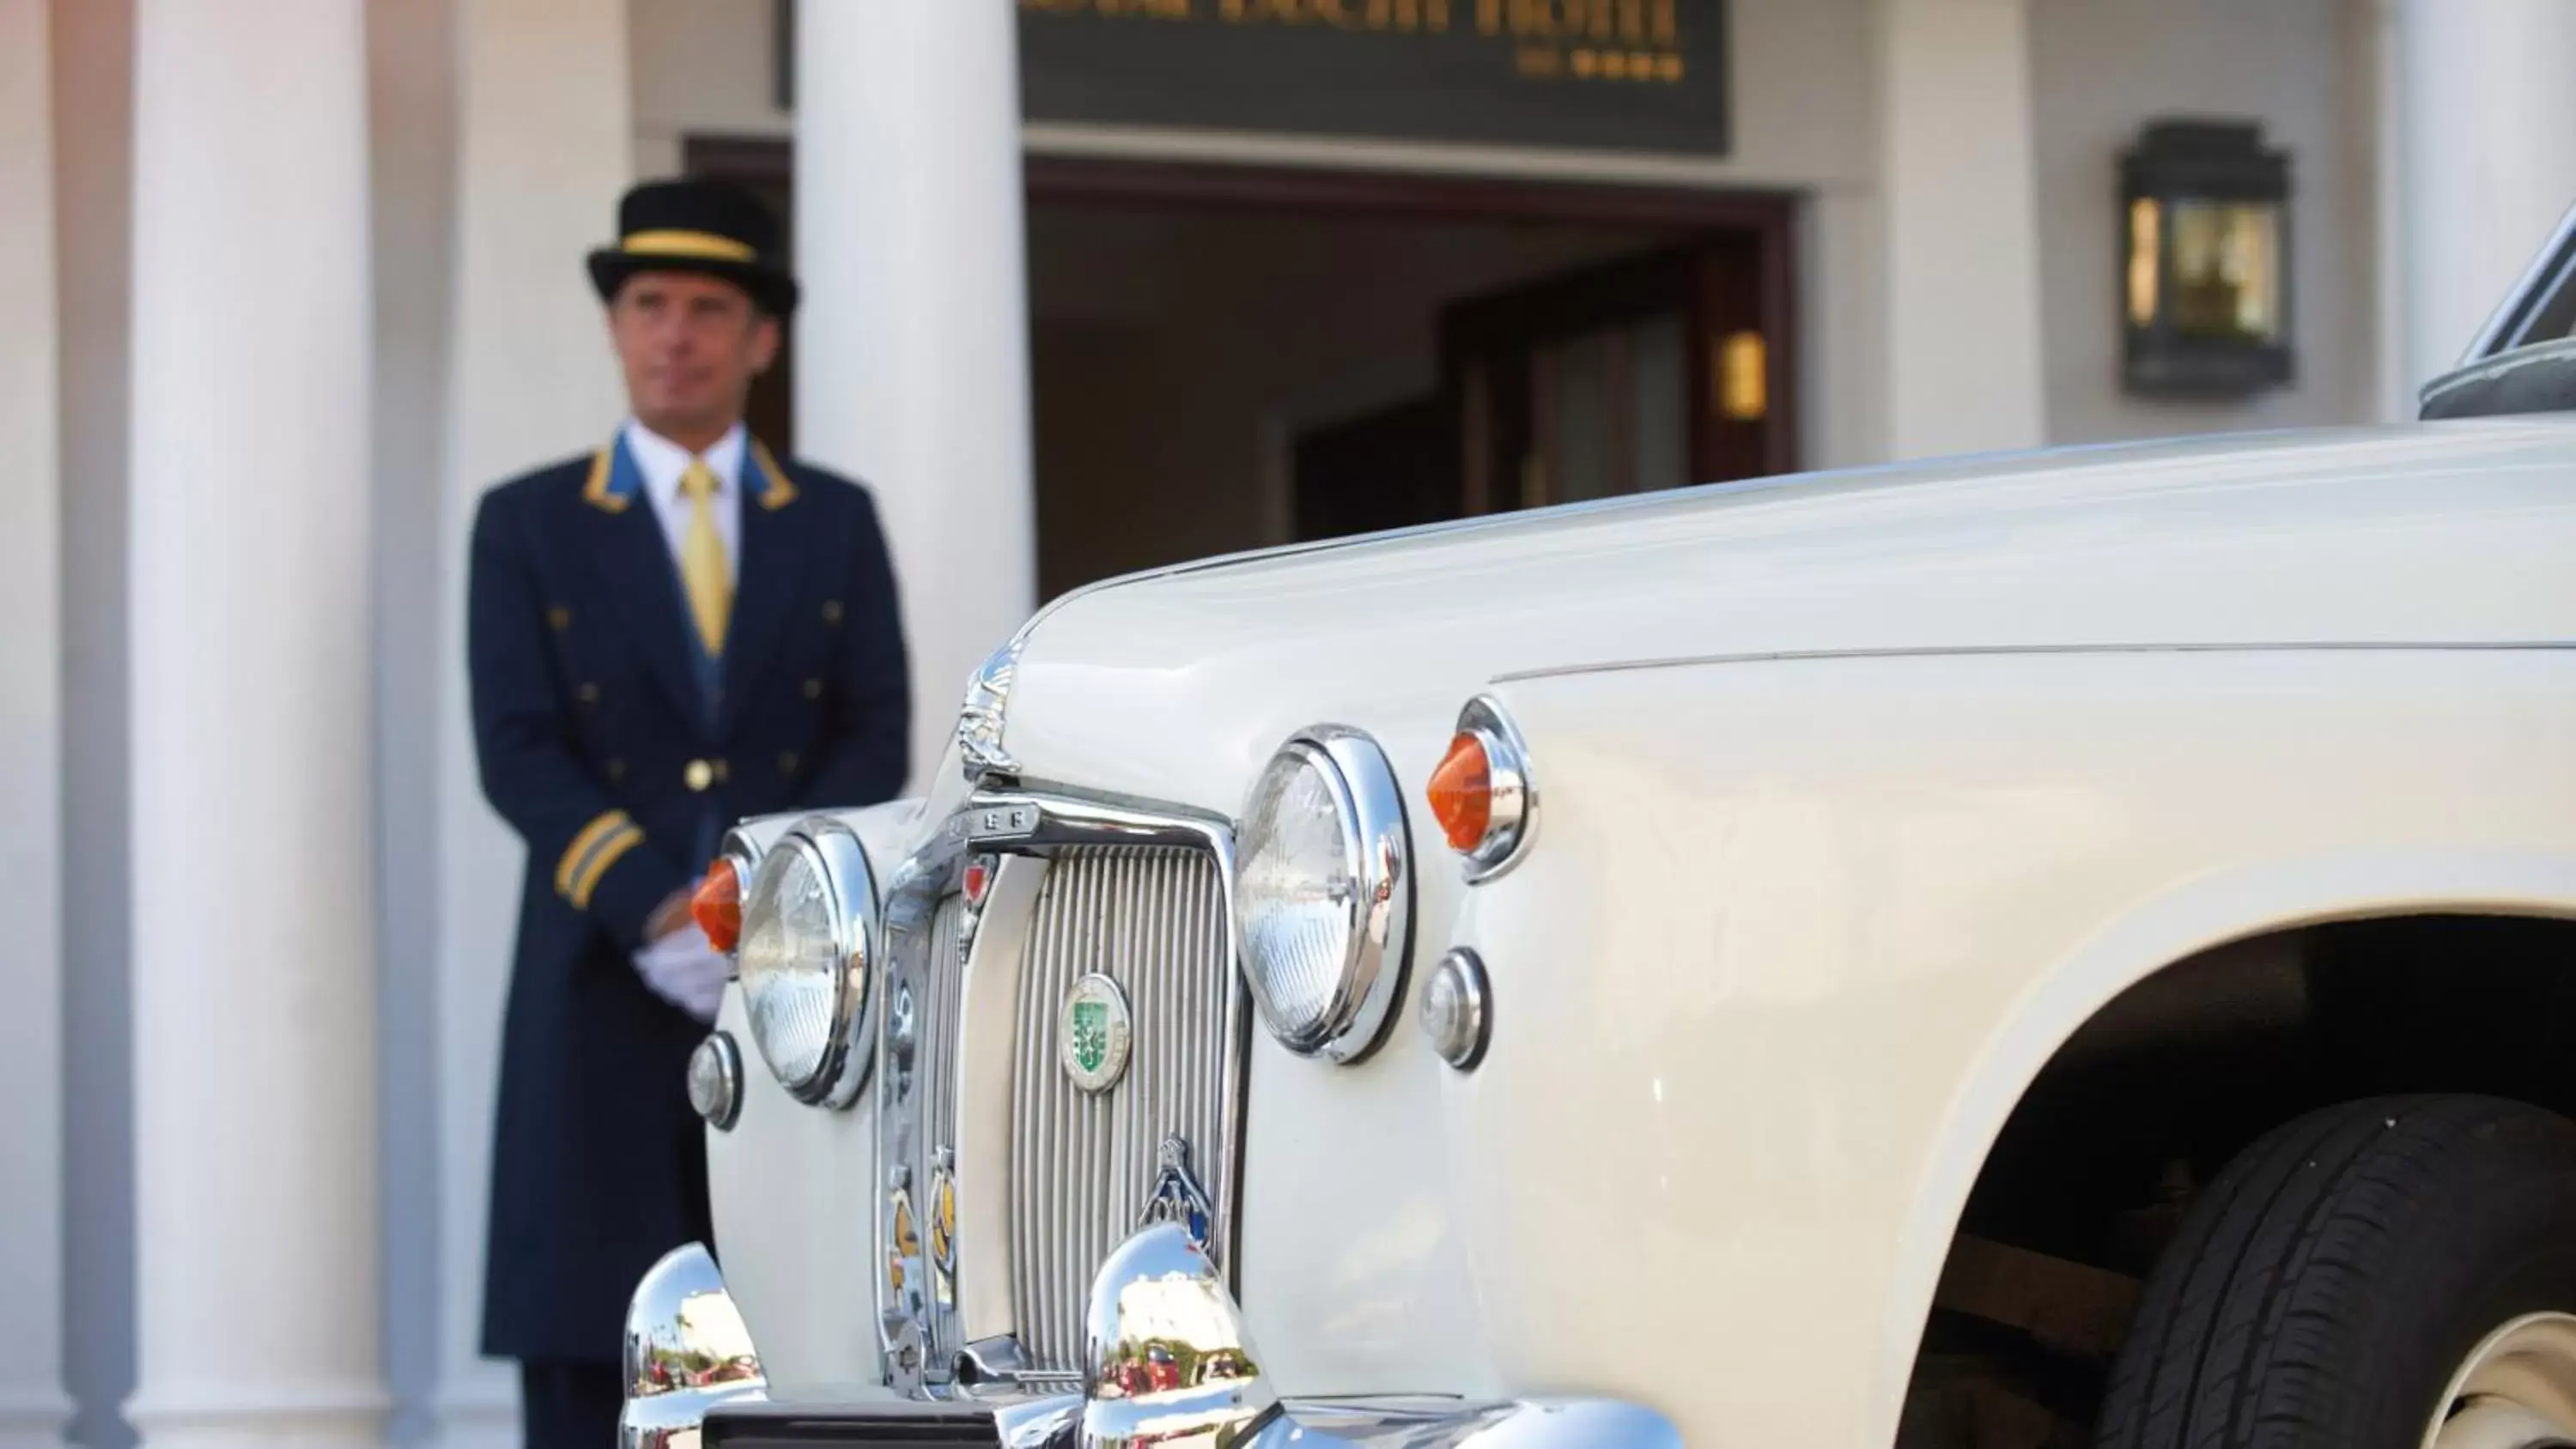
(589, 693)
(616, 770)
(559, 617)
(787, 763)
(813, 689)
(831, 611)
(698, 775)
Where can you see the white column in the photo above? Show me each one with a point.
(1963, 370)
(257, 1316)
(2487, 159)
(33, 1406)
(912, 349)
(530, 380)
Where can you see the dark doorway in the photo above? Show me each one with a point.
(1224, 358)
(1386, 469)
(1648, 372)
(763, 168)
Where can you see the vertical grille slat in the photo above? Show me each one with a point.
(946, 974)
(1083, 1166)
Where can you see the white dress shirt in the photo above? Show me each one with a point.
(662, 461)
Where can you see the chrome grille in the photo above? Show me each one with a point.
(1083, 1166)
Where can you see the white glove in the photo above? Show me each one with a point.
(686, 970)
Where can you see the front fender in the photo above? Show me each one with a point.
(1796, 934)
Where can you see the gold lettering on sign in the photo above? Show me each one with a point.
(1627, 22)
(1406, 16)
(1157, 9)
(1409, 15)
(1553, 19)
(1586, 40)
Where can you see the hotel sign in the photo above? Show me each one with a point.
(1629, 75)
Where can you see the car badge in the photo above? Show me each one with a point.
(1096, 1028)
(1177, 1197)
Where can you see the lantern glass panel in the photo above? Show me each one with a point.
(2146, 259)
(2226, 270)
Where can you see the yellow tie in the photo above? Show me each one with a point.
(703, 571)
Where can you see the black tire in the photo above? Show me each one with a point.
(2327, 1285)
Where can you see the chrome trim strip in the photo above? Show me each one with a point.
(2552, 268)
(916, 1292)
(989, 1041)
(1987, 651)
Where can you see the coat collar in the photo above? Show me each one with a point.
(661, 462)
(615, 481)
(635, 561)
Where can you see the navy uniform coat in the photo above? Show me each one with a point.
(618, 761)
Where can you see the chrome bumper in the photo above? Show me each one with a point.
(1168, 1365)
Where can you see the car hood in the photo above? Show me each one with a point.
(1172, 683)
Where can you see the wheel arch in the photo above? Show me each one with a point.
(2188, 922)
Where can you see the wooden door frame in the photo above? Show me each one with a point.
(1766, 219)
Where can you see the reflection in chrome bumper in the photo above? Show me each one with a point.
(1337, 1424)
(1168, 1364)
(686, 1351)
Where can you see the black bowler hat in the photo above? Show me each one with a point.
(697, 226)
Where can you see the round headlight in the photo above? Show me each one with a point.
(1323, 893)
(808, 937)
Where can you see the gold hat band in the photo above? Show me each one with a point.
(704, 244)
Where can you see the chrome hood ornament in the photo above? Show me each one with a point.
(988, 702)
(1178, 1199)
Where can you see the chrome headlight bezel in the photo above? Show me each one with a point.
(1377, 854)
(842, 1058)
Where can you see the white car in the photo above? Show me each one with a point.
(2005, 952)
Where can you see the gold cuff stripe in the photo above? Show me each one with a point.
(582, 844)
(600, 860)
(705, 245)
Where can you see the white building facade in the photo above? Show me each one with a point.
(283, 286)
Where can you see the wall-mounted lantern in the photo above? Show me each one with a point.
(2206, 263)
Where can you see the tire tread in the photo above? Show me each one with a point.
(2241, 1338)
